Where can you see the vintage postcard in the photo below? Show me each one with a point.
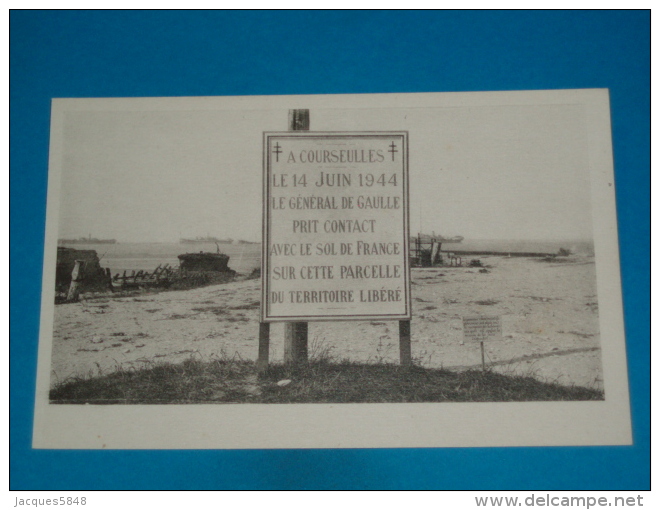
(377, 271)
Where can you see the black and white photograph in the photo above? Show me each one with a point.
(417, 269)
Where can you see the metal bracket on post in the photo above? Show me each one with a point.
(298, 120)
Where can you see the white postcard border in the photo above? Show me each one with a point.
(354, 425)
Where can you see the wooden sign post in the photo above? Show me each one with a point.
(295, 333)
(336, 236)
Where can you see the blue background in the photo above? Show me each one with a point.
(170, 53)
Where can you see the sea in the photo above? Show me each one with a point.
(243, 258)
(578, 247)
(120, 257)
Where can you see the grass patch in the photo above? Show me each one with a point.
(236, 381)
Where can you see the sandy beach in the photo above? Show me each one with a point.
(549, 317)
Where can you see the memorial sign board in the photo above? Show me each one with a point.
(335, 243)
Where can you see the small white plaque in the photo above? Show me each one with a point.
(482, 328)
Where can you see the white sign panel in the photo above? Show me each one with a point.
(335, 241)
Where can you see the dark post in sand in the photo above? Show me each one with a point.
(76, 280)
(405, 351)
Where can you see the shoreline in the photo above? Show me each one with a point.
(549, 324)
(502, 253)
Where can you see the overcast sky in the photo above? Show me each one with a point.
(505, 172)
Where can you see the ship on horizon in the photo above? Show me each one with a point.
(86, 240)
(437, 238)
(207, 239)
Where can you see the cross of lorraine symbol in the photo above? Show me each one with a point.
(392, 150)
(277, 150)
